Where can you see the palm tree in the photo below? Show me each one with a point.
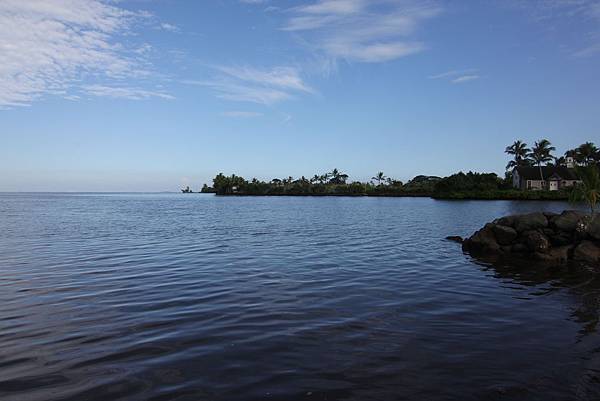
(541, 153)
(337, 177)
(559, 161)
(520, 151)
(379, 177)
(587, 152)
(589, 189)
(315, 179)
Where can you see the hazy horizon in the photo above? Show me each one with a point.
(152, 96)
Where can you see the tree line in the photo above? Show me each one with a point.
(540, 154)
(470, 185)
(330, 183)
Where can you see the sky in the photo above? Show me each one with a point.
(154, 95)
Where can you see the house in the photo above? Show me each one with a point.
(550, 178)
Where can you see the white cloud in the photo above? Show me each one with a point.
(49, 46)
(170, 27)
(452, 73)
(241, 114)
(124, 92)
(465, 78)
(583, 14)
(362, 30)
(263, 86)
(457, 76)
(280, 77)
(591, 49)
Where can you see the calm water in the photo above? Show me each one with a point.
(197, 297)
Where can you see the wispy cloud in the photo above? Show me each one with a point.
(465, 78)
(47, 46)
(584, 13)
(363, 30)
(549, 9)
(248, 84)
(241, 114)
(170, 27)
(119, 92)
(457, 76)
(591, 48)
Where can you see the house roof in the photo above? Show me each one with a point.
(533, 173)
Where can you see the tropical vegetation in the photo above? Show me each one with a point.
(541, 154)
(330, 183)
(470, 185)
(589, 189)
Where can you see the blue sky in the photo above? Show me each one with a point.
(154, 95)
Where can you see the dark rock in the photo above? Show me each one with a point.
(593, 228)
(482, 241)
(455, 238)
(581, 230)
(548, 232)
(531, 221)
(507, 221)
(504, 235)
(588, 252)
(549, 238)
(567, 220)
(519, 248)
(557, 256)
(561, 239)
(536, 241)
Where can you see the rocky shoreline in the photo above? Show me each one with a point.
(543, 237)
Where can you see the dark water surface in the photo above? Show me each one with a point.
(197, 297)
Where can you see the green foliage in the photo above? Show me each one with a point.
(520, 153)
(589, 189)
(333, 183)
(502, 194)
(421, 184)
(585, 154)
(468, 182)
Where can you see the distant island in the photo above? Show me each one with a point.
(531, 174)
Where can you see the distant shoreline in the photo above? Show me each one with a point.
(507, 195)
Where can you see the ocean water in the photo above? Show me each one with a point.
(199, 297)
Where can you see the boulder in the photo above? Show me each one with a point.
(588, 252)
(560, 239)
(482, 241)
(455, 238)
(552, 239)
(559, 255)
(567, 220)
(581, 230)
(504, 235)
(548, 232)
(507, 221)
(593, 228)
(536, 241)
(519, 248)
(531, 221)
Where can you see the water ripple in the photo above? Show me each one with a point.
(173, 297)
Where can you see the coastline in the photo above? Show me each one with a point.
(473, 195)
